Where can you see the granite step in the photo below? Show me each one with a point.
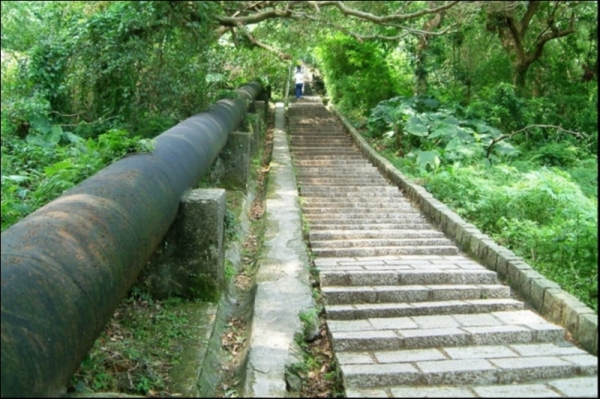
(405, 309)
(401, 225)
(345, 204)
(366, 219)
(381, 242)
(468, 372)
(362, 234)
(363, 208)
(333, 189)
(339, 295)
(337, 170)
(348, 201)
(307, 182)
(378, 251)
(573, 387)
(435, 331)
(332, 162)
(419, 273)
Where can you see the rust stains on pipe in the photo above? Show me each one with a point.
(66, 266)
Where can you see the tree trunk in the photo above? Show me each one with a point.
(423, 43)
(513, 32)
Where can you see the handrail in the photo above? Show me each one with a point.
(66, 266)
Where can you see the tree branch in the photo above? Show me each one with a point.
(265, 46)
(579, 135)
(555, 34)
(532, 7)
(387, 18)
(287, 12)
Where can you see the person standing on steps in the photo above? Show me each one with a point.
(299, 79)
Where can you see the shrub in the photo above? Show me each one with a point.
(356, 74)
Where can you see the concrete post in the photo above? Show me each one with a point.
(261, 109)
(190, 260)
(236, 161)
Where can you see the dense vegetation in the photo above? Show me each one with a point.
(492, 106)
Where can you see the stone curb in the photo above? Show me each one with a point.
(283, 286)
(543, 295)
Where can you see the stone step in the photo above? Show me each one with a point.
(331, 162)
(358, 213)
(323, 130)
(408, 250)
(300, 123)
(381, 242)
(363, 234)
(338, 169)
(336, 295)
(335, 176)
(352, 200)
(350, 157)
(312, 204)
(572, 387)
(312, 151)
(341, 181)
(400, 276)
(336, 172)
(433, 264)
(304, 127)
(408, 217)
(353, 197)
(401, 225)
(348, 189)
(298, 143)
(436, 331)
(404, 309)
(361, 208)
(331, 141)
(327, 136)
(469, 371)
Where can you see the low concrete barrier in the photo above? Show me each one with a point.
(543, 295)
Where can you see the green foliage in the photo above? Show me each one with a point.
(541, 215)
(356, 74)
(556, 154)
(500, 106)
(585, 174)
(435, 136)
(39, 169)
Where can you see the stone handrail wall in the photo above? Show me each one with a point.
(543, 295)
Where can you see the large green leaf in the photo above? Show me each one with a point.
(445, 130)
(57, 167)
(73, 138)
(454, 144)
(36, 139)
(415, 126)
(41, 124)
(505, 148)
(431, 158)
(54, 135)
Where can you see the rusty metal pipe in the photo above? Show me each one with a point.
(66, 266)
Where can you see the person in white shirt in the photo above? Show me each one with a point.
(299, 79)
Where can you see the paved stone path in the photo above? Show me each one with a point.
(409, 315)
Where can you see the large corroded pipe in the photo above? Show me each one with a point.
(66, 266)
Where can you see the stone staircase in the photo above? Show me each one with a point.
(410, 315)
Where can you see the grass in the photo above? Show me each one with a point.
(136, 350)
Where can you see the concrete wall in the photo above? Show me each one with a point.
(543, 295)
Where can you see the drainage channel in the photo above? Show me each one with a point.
(410, 315)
